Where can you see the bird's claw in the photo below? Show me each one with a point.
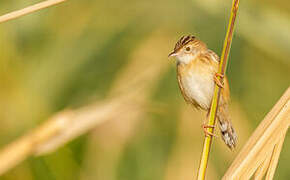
(219, 82)
(206, 132)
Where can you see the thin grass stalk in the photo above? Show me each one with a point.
(29, 9)
(222, 70)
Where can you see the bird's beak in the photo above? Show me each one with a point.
(172, 54)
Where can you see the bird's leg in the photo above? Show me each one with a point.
(206, 132)
(217, 81)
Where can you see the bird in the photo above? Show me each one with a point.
(197, 74)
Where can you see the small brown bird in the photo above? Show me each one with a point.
(197, 68)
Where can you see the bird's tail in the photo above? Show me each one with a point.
(228, 133)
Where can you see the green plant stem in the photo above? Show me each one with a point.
(222, 70)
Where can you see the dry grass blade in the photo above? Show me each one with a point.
(260, 173)
(275, 158)
(266, 136)
(28, 10)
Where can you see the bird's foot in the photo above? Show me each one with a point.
(206, 132)
(219, 82)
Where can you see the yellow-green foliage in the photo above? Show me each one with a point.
(84, 51)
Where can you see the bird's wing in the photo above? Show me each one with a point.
(213, 55)
(214, 59)
(226, 91)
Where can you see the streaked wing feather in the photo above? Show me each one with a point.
(213, 55)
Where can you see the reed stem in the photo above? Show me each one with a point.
(222, 70)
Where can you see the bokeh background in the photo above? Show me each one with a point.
(85, 51)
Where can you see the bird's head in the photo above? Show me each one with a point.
(186, 48)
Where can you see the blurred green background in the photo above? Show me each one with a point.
(73, 54)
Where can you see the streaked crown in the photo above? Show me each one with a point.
(184, 40)
(187, 48)
(188, 44)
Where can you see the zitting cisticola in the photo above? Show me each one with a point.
(197, 68)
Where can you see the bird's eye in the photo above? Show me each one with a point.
(187, 49)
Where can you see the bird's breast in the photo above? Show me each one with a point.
(198, 85)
